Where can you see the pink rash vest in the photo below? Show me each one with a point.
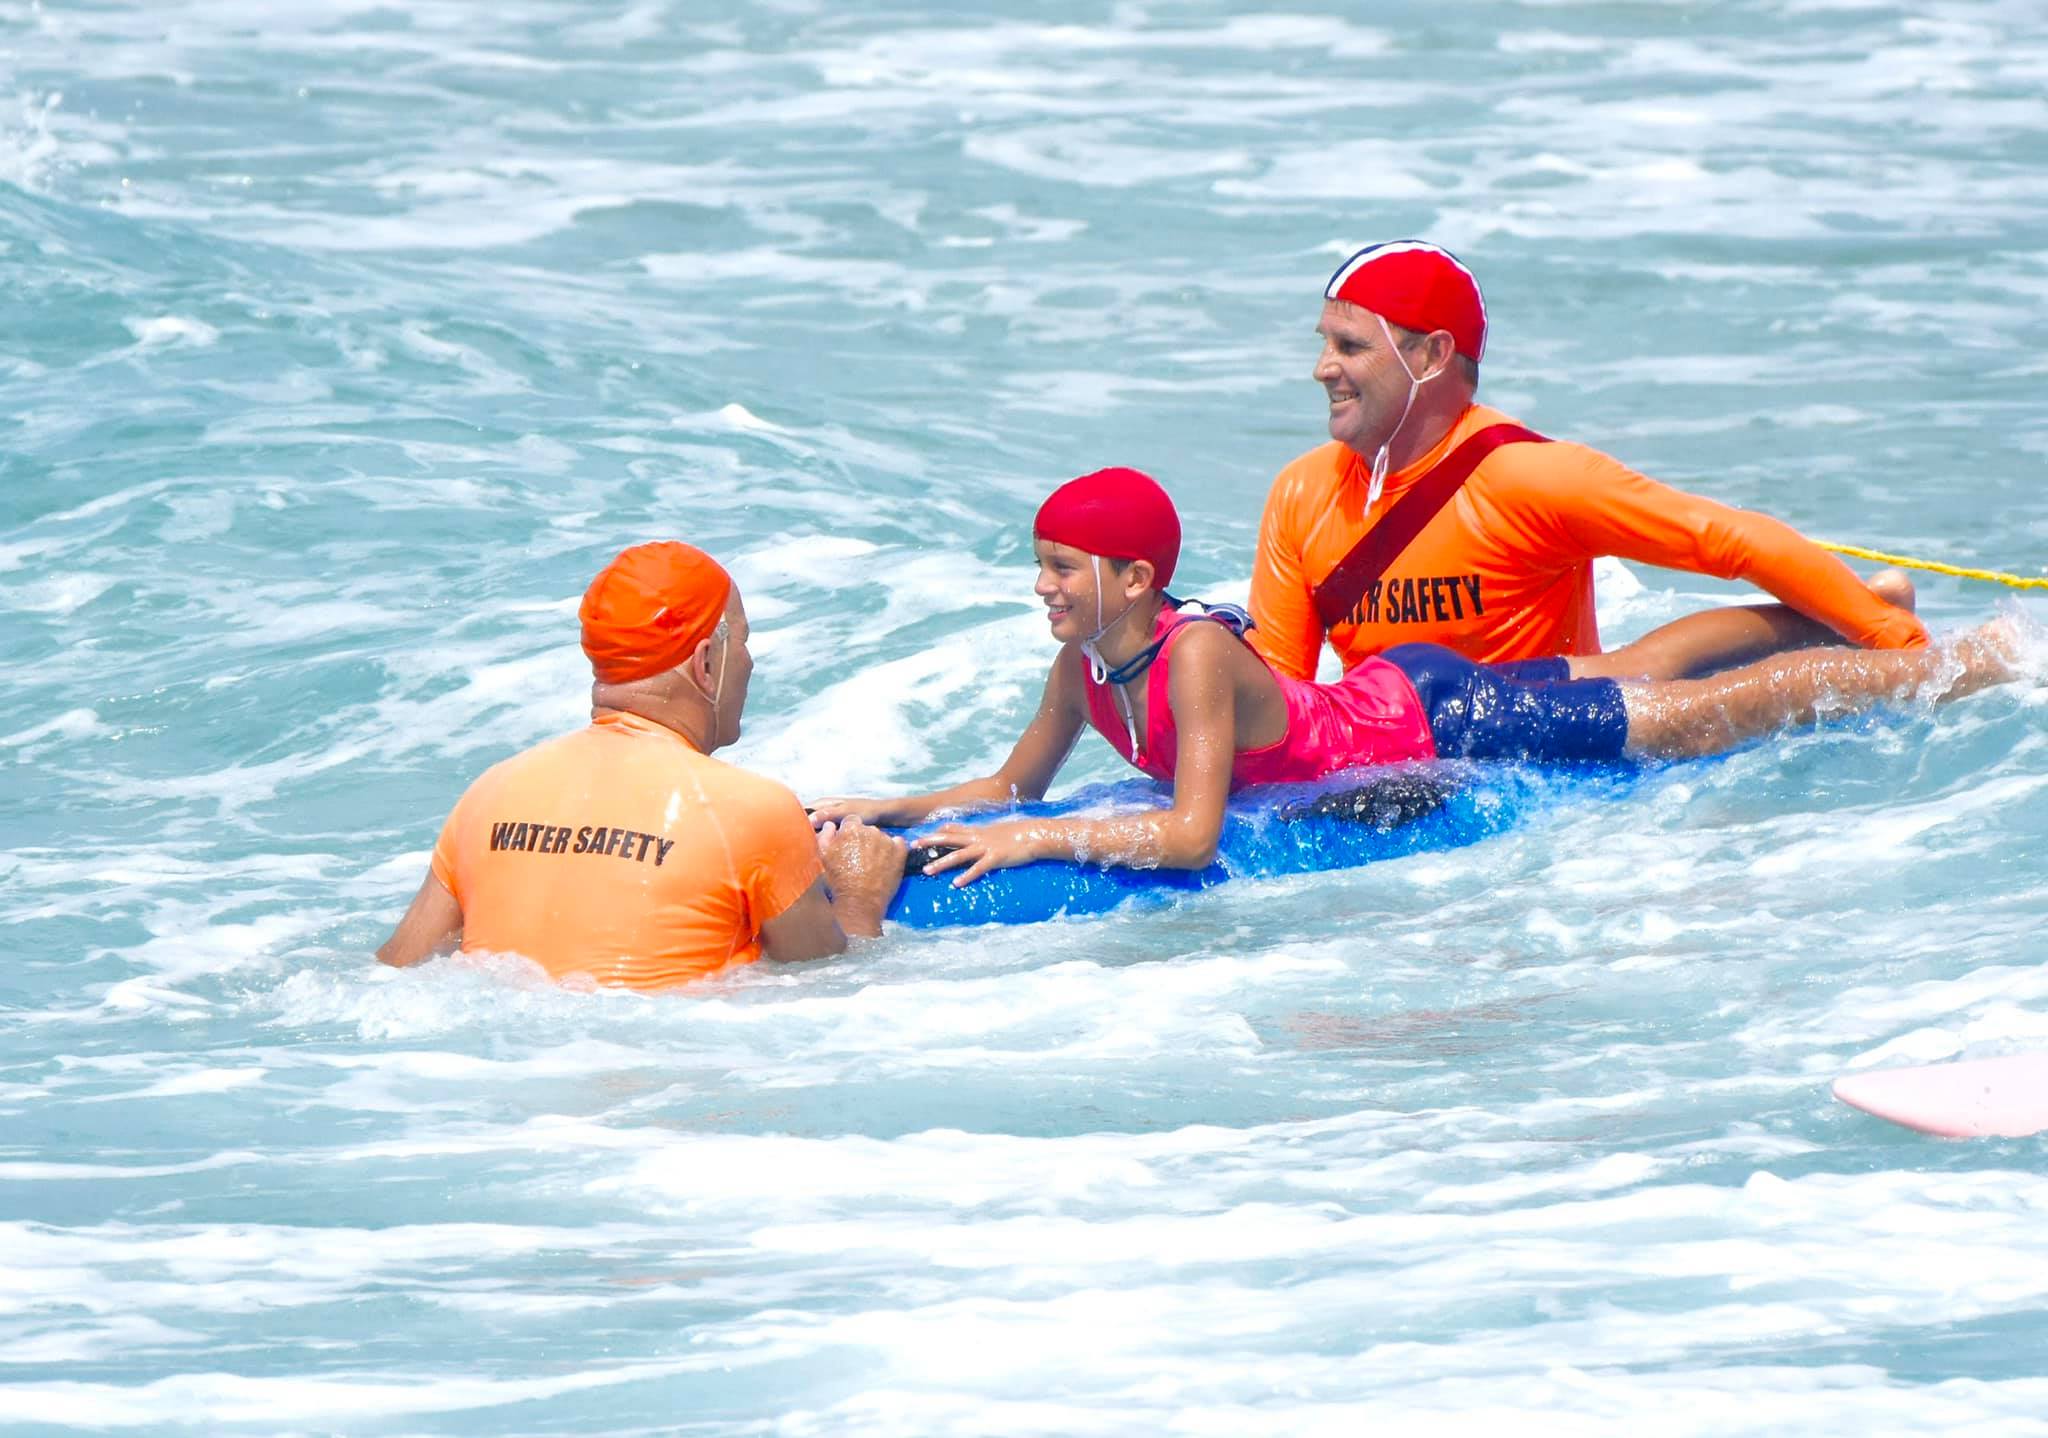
(1370, 716)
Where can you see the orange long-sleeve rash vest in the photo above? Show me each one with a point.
(1505, 570)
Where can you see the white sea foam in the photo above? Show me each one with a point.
(60, 594)
(71, 724)
(1054, 152)
(1357, 171)
(172, 330)
(1534, 1133)
(200, 1081)
(217, 1397)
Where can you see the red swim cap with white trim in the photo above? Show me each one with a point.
(1418, 286)
(1118, 514)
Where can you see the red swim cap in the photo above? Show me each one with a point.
(1118, 514)
(1417, 286)
(650, 608)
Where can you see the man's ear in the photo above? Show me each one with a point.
(1439, 348)
(702, 667)
(1138, 578)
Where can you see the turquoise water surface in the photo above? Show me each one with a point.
(343, 341)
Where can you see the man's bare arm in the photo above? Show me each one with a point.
(863, 867)
(432, 925)
(807, 929)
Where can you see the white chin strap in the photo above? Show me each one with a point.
(1097, 669)
(724, 636)
(1379, 461)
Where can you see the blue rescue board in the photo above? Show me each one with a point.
(1341, 823)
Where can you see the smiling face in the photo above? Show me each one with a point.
(1066, 583)
(1362, 376)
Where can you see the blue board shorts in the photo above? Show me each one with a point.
(1528, 710)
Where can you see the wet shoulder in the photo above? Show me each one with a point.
(742, 790)
(1205, 645)
(1551, 469)
(548, 756)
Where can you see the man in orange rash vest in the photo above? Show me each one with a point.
(623, 851)
(1503, 571)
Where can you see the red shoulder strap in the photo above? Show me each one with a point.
(1381, 545)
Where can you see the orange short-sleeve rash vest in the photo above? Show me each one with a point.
(1504, 571)
(622, 853)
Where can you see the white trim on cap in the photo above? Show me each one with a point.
(1401, 247)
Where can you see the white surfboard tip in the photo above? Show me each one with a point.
(1977, 1098)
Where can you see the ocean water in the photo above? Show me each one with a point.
(342, 341)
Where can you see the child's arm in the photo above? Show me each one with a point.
(1024, 776)
(1203, 692)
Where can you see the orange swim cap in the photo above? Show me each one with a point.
(650, 608)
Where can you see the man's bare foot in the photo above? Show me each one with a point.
(1989, 654)
(1894, 587)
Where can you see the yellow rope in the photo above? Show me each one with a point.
(2017, 581)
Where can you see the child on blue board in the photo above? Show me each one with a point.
(1180, 694)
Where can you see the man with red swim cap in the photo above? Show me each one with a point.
(1491, 530)
(624, 853)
